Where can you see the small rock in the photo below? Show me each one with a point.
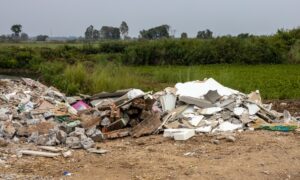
(87, 143)
(73, 142)
(3, 143)
(67, 154)
(215, 141)
(283, 104)
(230, 139)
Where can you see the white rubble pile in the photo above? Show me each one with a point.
(209, 107)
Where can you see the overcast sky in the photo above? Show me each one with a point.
(71, 17)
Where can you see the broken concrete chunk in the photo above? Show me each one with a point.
(87, 143)
(212, 96)
(202, 103)
(67, 154)
(7, 129)
(61, 136)
(203, 129)
(73, 142)
(95, 134)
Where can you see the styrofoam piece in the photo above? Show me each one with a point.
(203, 129)
(211, 110)
(169, 132)
(200, 88)
(179, 134)
(252, 108)
(184, 135)
(238, 111)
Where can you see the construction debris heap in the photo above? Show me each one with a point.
(33, 112)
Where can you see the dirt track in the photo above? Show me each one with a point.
(254, 155)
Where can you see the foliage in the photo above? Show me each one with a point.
(207, 34)
(156, 32)
(124, 29)
(16, 29)
(41, 38)
(108, 32)
(184, 35)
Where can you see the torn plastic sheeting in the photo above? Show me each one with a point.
(80, 105)
(283, 128)
(198, 89)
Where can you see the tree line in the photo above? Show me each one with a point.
(158, 32)
(18, 35)
(115, 33)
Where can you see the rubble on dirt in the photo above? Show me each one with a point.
(33, 112)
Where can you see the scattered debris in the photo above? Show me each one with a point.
(42, 115)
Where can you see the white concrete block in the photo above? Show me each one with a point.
(184, 134)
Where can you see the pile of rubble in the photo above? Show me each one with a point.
(33, 112)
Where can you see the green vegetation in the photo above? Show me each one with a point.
(273, 81)
(245, 63)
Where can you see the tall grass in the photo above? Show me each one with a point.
(274, 81)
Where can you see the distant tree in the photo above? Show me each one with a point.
(124, 29)
(184, 35)
(89, 33)
(156, 32)
(24, 37)
(108, 32)
(41, 38)
(96, 34)
(207, 34)
(16, 29)
(243, 35)
(3, 38)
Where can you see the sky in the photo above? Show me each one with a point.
(223, 17)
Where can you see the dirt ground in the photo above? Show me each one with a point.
(254, 155)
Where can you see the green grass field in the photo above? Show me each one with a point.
(273, 81)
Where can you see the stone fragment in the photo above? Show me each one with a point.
(230, 138)
(73, 142)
